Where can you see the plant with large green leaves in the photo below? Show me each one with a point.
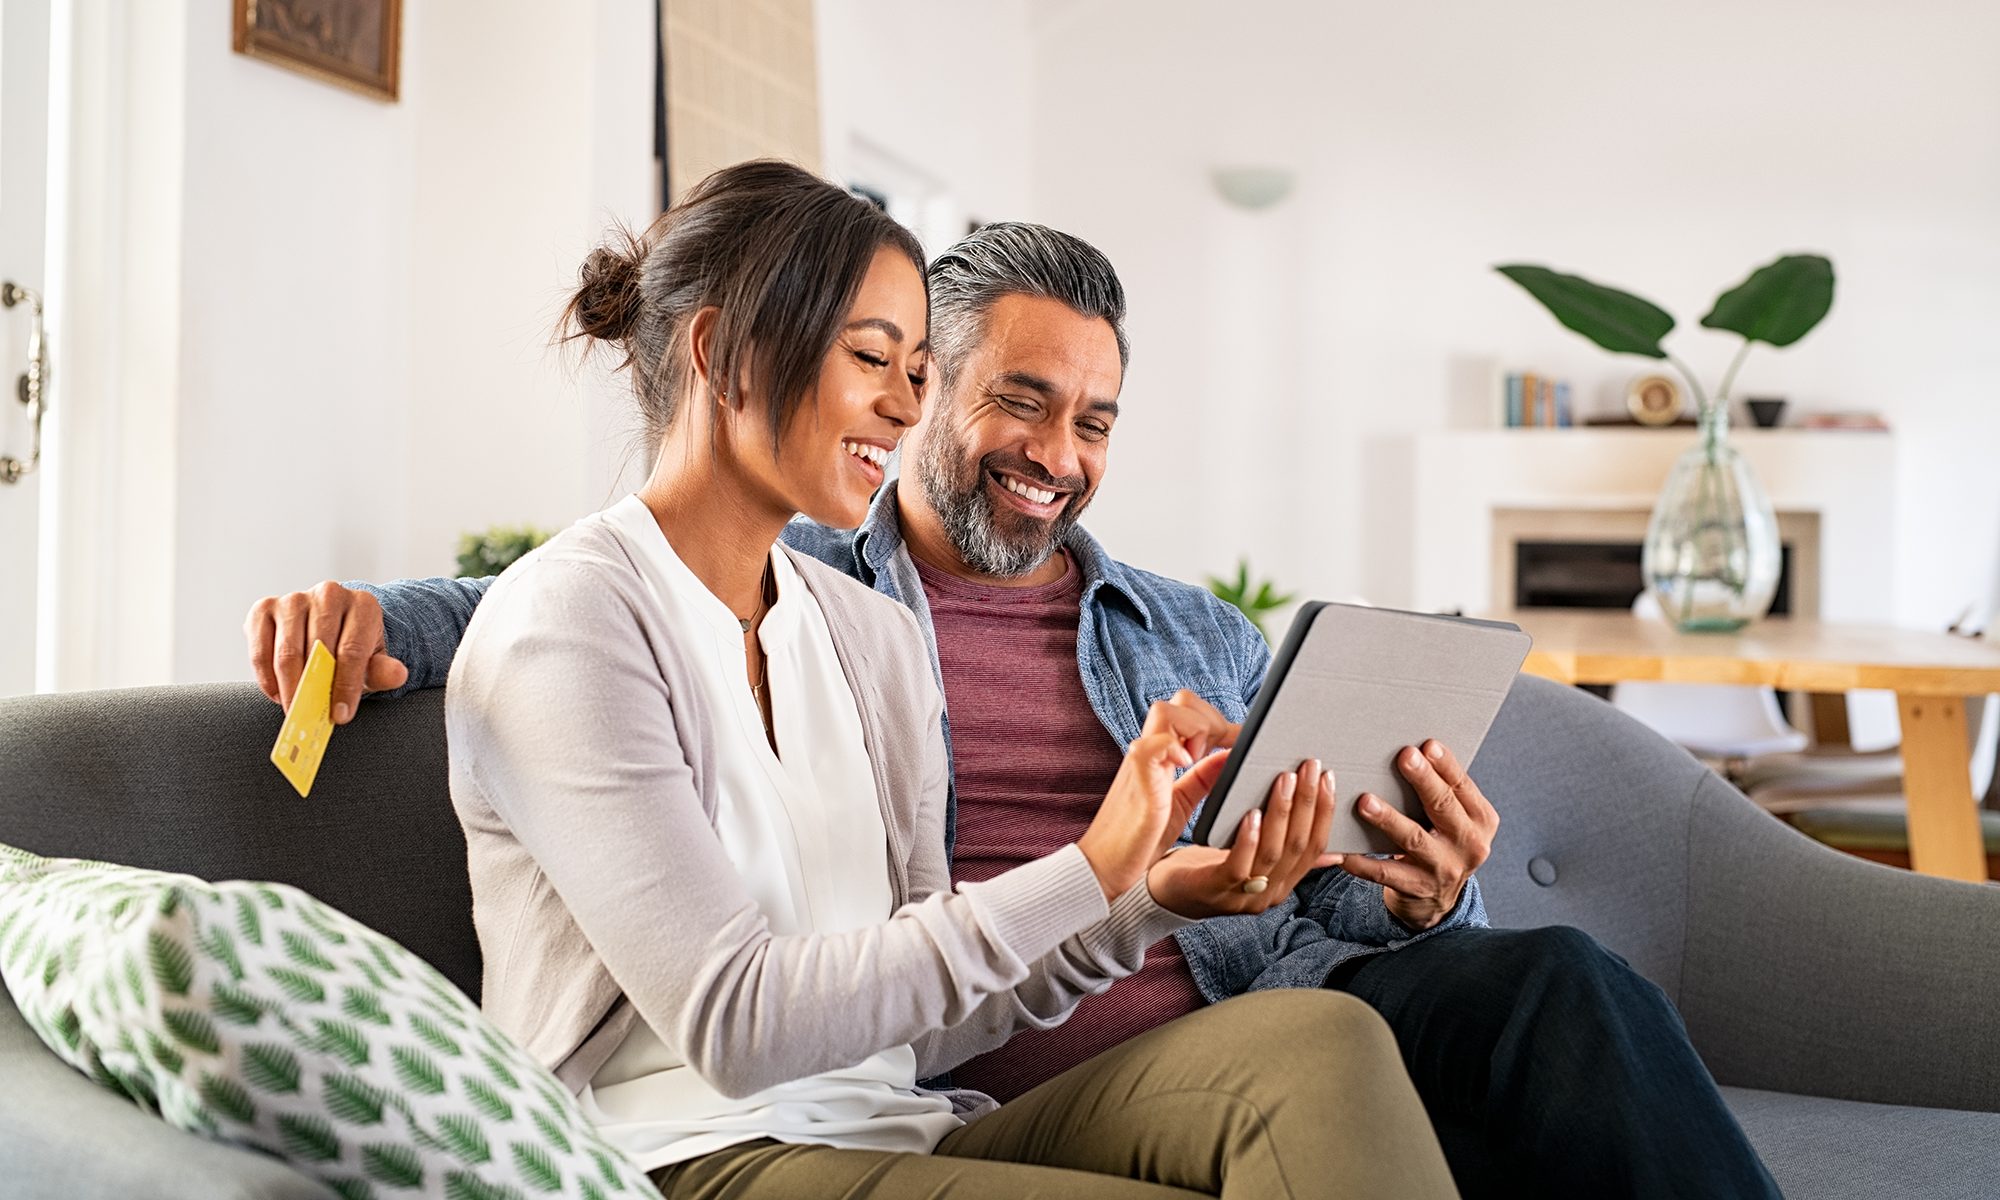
(1777, 305)
(1711, 555)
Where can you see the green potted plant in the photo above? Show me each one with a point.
(1253, 600)
(493, 551)
(1712, 555)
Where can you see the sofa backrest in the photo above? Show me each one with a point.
(179, 779)
(1594, 825)
(176, 779)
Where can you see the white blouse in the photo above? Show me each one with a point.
(804, 829)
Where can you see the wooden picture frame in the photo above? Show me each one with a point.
(355, 44)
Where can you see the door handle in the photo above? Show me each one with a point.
(34, 381)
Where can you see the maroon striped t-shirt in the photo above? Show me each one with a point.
(1032, 763)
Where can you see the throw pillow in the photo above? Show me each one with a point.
(252, 1013)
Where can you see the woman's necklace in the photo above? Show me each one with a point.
(757, 688)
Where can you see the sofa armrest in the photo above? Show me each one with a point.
(63, 1137)
(1810, 971)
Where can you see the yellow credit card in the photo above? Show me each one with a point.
(302, 742)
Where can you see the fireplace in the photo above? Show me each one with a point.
(1589, 558)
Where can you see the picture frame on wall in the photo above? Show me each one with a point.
(355, 44)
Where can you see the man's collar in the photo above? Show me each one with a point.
(1100, 569)
(882, 532)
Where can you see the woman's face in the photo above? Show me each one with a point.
(871, 389)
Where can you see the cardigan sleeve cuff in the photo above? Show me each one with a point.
(1035, 907)
(1118, 944)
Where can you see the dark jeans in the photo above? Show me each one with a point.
(1551, 1068)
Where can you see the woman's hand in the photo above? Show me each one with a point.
(1146, 809)
(1278, 844)
(1422, 884)
(282, 629)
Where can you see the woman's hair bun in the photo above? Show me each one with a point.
(606, 303)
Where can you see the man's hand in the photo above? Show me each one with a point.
(1278, 844)
(282, 629)
(1422, 884)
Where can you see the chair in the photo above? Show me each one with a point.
(1852, 801)
(1717, 720)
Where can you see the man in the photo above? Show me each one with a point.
(1545, 1062)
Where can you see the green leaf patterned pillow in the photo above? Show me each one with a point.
(252, 1013)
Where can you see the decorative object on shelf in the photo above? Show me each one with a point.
(1712, 555)
(1766, 411)
(1252, 187)
(491, 552)
(355, 44)
(1865, 421)
(1252, 604)
(1655, 399)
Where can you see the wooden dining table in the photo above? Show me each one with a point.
(1932, 674)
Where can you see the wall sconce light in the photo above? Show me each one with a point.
(1252, 187)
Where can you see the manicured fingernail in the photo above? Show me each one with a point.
(1436, 750)
(339, 713)
(1288, 784)
(1411, 758)
(1335, 860)
(1369, 803)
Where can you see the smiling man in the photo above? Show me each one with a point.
(1546, 1063)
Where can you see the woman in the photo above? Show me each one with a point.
(702, 782)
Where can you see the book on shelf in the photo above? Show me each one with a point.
(1532, 401)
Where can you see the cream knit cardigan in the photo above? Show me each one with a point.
(581, 769)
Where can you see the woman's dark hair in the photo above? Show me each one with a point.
(779, 250)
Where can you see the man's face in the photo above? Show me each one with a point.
(1010, 459)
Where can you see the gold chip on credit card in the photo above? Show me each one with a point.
(302, 741)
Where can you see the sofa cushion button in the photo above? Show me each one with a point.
(1542, 871)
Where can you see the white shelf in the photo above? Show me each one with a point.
(1846, 476)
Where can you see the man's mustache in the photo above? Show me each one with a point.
(1017, 465)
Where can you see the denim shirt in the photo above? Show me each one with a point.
(1141, 637)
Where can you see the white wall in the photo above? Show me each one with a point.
(1283, 361)
(931, 104)
(295, 361)
(354, 354)
(368, 292)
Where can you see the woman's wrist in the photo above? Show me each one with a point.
(1115, 866)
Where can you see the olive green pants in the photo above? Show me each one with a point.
(1285, 1093)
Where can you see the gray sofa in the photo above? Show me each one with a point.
(1851, 1011)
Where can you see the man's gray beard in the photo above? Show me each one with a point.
(956, 489)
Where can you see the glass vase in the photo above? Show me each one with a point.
(1712, 553)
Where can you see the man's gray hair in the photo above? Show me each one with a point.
(1013, 258)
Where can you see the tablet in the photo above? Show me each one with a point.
(1352, 686)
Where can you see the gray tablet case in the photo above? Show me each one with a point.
(1352, 686)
